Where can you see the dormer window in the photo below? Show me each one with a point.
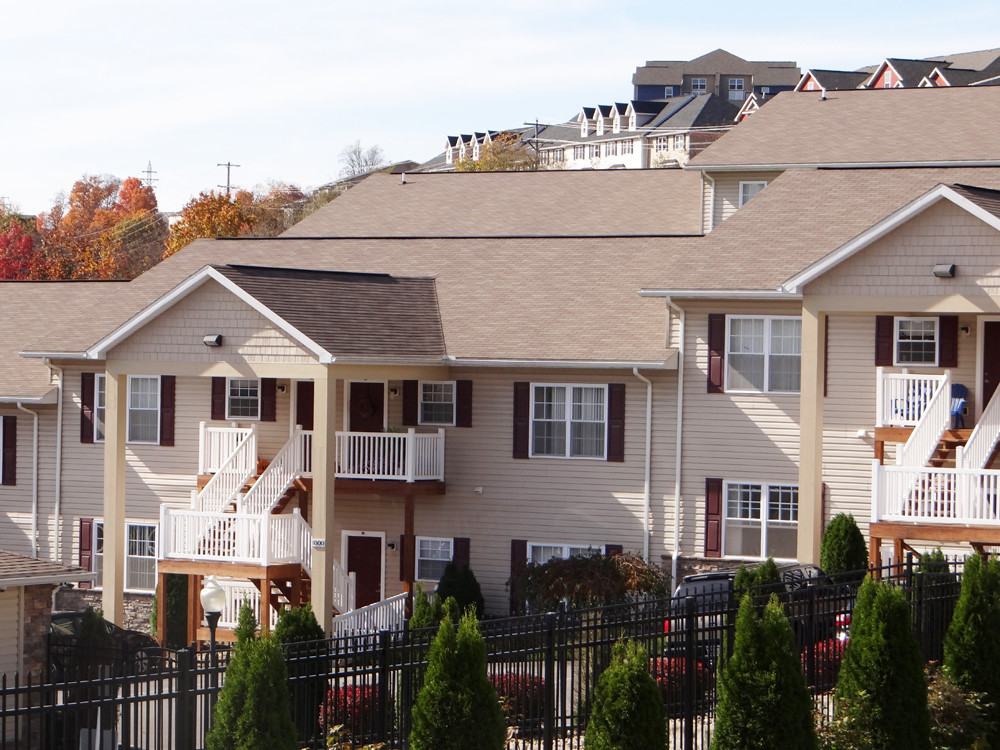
(475, 152)
(616, 126)
(461, 151)
(600, 126)
(887, 81)
(584, 129)
(448, 156)
(631, 122)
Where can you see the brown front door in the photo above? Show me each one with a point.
(305, 397)
(364, 558)
(991, 359)
(367, 407)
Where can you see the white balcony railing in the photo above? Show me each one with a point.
(238, 593)
(286, 467)
(984, 437)
(901, 398)
(915, 494)
(408, 456)
(935, 417)
(344, 588)
(387, 614)
(217, 444)
(230, 477)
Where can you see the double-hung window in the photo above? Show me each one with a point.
(243, 399)
(761, 520)
(437, 403)
(749, 189)
(140, 556)
(579, 152)
(916, 341)
(699, 85)
(542, 553)
(679, 142)
(736, 89)
(611, 148)
(569, 421)
(100, 405)
(627, 147)
(433, 555)
(764, 354)
(662, 143)
(595, 151)
(143, 409)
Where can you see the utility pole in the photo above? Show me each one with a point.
(149, 172)
(229, 166)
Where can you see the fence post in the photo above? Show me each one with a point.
(383, 684)
(549, 679)
(185, 715)
(918, 614)
(810, 642)
(690, 668)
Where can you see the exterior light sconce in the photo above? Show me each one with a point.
(212, 339)
(945, 270)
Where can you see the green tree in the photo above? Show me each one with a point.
(763, 698)
(628, 708)
(881, 696)
(760, 581)
(307, 659)
(459, 581)
(457, 708)
(843, 553)
(424, 614)
(972, 645)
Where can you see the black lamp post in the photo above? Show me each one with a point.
(213, 600)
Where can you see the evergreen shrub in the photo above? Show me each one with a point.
(460, 582)
(628, 709)
(843, 554)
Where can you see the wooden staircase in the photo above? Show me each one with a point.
(944, 454)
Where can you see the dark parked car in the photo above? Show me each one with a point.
(130, 651)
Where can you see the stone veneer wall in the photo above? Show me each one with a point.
(37, 617)
(137, 606)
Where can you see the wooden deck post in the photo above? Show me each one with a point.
(161, 608)
(875, 556)
(194, 607)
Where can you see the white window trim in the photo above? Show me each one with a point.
(703, 88)
(100, 389)
(761, 185)
(420, 402)
(416, 554)
(565, 548)
(99, 525)
(765, 488)
(767, 353)
(128, 409)
(229, 415)
(568, 420)
(895, 340)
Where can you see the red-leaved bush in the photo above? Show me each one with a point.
(522, 695)
(354, 706)
(671, 674)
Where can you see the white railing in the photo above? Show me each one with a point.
(217, 444)
(271, 485)
(289, 539)
(238, 593)
(984, 438)
(934, 418)
(932, 495)
(409, 456)
(234, 472)
(901, 398)
(387, 614)
(344, 588)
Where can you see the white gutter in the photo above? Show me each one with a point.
(594, 364)
(34, 480)
(646, 521)
(48, 355)
(678, 438)
(56, 544)
(842, 165)
(83, 575)
(763, 294)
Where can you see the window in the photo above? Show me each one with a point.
(611, 148)
(140, 555)
(584, 126)
(433, 555)
(448, 156)
(761, 520)
(616, 124)
(600, 125)
(542, 553)
(631, 122)
(916, 341)
(568, 421)
(100, 401)
(243, 400)
(668, 91)
(437, 403)
(579, 152)
(699, 85)
(678, 144)
(662, 143)
(143, 409)
(626, 147)
(887, 81)
(736, 89)
(595, 151)
(475, 152)
(749, 189)
(764, 354)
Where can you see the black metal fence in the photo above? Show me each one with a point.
(544, 668)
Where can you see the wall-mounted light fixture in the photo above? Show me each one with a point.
(212, 339)
(393, 392)
(391, 545)
(944, 270)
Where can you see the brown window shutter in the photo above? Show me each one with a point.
(463, 403)
(86, 558)
(268, 400)
(713, 518)
(518, 564)
(616, 422)
(610, 550)
(8, 462)
(219, 398)
(460, 552)
(716, 352)
(305, 403)
(522, 418)
(948, 344)
(411, 403)
(168, 398)
(87, 400)
(885, 333)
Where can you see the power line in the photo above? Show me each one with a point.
(149, 172)
(229, 166)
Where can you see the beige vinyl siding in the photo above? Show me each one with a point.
(727, 191)
(736, 437)
(177, 333)
(11, 639)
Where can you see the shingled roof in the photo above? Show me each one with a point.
(18, 570)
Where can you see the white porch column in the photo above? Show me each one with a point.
(811, 435)
(116, 409)
(324, 473)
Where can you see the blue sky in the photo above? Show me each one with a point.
(105, 86)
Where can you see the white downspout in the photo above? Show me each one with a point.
(647, 523)
(57, 512)
(679, 442)
(34, 480)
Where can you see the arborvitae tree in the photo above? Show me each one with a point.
(881, 697)
(307, 664)
(459, 581)
(253, 710)
(972, 645)
(843, 553)
(628, 707)
(763, 698)
(761, 582)
(457, 708)
(424, 614)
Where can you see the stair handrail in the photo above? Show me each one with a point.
(985, 436)
(275, 480)
(344, 583)
(923, 441)
(226, 483)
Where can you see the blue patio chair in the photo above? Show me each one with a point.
(958, 395)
